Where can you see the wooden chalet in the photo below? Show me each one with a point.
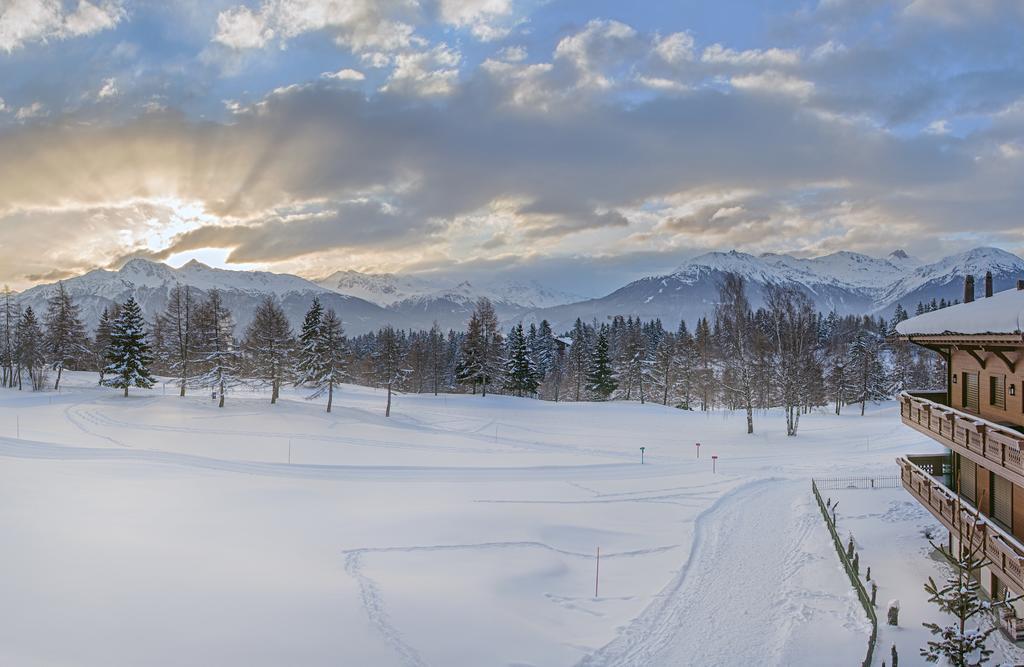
(979, 419)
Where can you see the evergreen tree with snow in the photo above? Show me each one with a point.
(308, 370)
(869, 381)
(663, 368)
(520, 372)
(898, 315)
(270, 344)
(579, 356)
(217, 355)
(65, 338)
(389, 363)
(128, 352)
(329, 353)
(30, 355)
(963, 643)
(101, 342)
(491, 343)
(436, 353)
(470, 369)
(632, 367)
(601, 380)
(10, 313)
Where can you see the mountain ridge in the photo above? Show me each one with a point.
(844, 281)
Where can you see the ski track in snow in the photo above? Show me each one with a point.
(373, 600)
(27, 449)
(740, 629)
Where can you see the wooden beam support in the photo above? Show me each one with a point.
(977, 357)
(1011, 365)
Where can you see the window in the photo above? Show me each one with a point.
(970, 392)
(997, 391)
(1002, 501)
(968, 480)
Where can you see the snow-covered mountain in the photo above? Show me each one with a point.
(151, 282)
(847, 282)
(449, 303)
(945, 278)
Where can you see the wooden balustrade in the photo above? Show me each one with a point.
(1003, 551)
(997, 446)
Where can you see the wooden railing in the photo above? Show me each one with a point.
(994, 445)
(1003, 551)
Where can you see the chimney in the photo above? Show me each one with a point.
(968, 289)
(988, 284)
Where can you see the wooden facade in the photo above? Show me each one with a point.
(980, 419)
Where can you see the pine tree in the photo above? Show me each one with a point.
(65, 333)
(437, 356)
(869, 380)
(101, 342)
(218, 357)
(579, 355)
(329, 351)
(520, 370)
(270, 345)
(470, 368)
(633, 368)
(388, 360)
(666, 356)
(308, 370)
(960, 597)
(9, 316)
(491, 342)
(30, 355)
(687, 363)
(600, 377)
(128, 353)
(705, 372)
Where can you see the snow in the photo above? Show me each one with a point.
(1000, 313)
(889, 528)
(389, 289)
(461, 531)
(975, 262)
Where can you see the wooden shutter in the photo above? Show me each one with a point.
(997, 391)
(970, 391)
(968, 479)
(1002, 500)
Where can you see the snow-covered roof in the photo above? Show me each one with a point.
(1001, 313)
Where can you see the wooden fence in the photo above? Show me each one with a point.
(862, 593)
(837, 483)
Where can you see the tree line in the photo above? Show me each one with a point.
(783, 354)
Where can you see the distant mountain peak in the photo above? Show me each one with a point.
(899, 253)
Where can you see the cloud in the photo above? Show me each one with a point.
(26, 21)
(34, 110)
(345, 74)
(428, 73)
(720, 55)
(108, 89)
(615, 142)
(240, 28)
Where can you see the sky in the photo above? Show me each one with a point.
(584, 143)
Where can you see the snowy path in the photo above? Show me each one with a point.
(760, 569)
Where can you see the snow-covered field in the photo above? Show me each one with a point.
(156, 530)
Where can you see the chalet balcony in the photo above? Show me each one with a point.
(994, 446)
(1004, 552)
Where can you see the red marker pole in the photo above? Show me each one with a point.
(597, 572)
(714, 462)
